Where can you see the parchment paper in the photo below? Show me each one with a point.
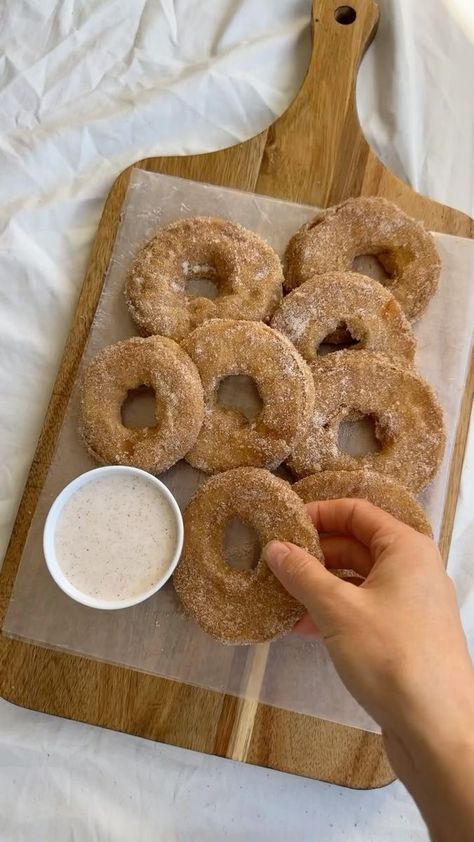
(156, 637)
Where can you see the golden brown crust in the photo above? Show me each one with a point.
(379, 489)
(408, 419)
(221, 348)
(368, 225)
(241, 606)
(160, 364)
(372, 315)
(246, 270)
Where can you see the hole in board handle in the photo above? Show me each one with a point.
(345, 15)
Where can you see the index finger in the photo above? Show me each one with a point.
(351, 516)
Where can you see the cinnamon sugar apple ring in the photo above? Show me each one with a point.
(241, 606)
(222, 348)
(407, 416)
(368, 225)
(160, 364)
(379, 489)
(373, 317)
(245, 269)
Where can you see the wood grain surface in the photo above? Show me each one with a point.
(315, 153)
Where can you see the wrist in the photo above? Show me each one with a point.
(431, 749)
(437, 743)
(438, 771)
(433, 714)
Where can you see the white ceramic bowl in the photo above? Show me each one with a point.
(50, 527)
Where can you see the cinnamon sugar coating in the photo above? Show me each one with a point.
(379, 489)
(245, 269)
(221, 348)
(368, 225)
(241, 606)
(160, 364)
(372, 315)
(408, 419)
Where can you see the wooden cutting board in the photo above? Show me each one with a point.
(315, 153)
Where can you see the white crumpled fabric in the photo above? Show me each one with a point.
(86, 88)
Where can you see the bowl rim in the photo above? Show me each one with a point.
(50, 528)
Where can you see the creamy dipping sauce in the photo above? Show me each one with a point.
(115, 537)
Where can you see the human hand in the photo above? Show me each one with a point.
(398, 645)
(396, 640)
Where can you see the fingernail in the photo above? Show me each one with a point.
(275, 552)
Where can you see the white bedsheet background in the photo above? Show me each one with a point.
(87, 87)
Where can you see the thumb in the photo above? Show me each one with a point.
(305, 578)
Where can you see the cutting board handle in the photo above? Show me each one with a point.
(316, 151)
(318, 140)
